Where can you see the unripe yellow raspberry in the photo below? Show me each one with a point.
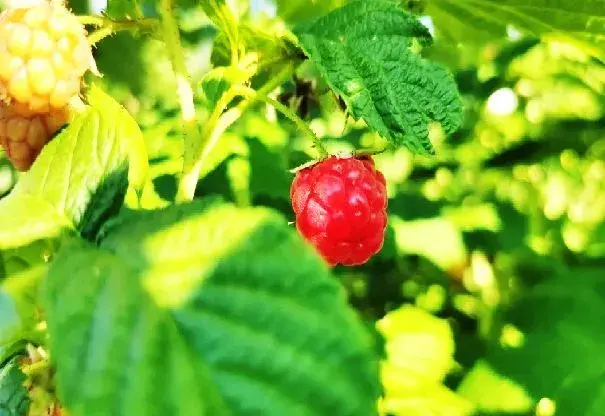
(43, 56)
(24, 136)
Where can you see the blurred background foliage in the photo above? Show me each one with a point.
(490, 290)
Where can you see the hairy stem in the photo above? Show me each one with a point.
(216, 125)
(99, 35)
(291, 115)
(106, 26)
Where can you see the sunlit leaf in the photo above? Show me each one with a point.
(437, 239)
(492, 392)
(214, 304)
(579, 21)
(419, 354)
(79, 179)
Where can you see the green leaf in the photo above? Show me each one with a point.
(11, 325)
(79, 178)
(580, 21)
(553, 344)
(121, 340)
(131, 66)
(455, 25)
(217, 81)
(438, 239)
(294, 11)
(420, 353)
(270, 45)
(363, 50)
(124, 8)
(219, 12)
(206, 295)
(268, 174)
(416, 339)
(492, 392)
(17, 260)
(18, 314)
(13, 395)
(76, 6)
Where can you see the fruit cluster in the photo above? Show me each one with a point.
(43, 55)
(340, 206)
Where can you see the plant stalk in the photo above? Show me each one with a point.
(184, 89)
(216, 125)
(107, 27)
(291, 115)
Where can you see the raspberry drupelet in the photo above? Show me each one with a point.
(24, 136)
(43, 55)
(340, 206)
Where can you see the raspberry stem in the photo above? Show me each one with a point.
(369, 152)
(99, 35)
(291, 115)
(214, 127)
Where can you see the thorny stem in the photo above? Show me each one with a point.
(99, 35)
(107, 26)
(216, 125)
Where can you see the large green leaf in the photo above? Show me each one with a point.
(13, 395)
(555, 351)
(79, 178)
(207, 296)
(581, 21)
(116, 352)
(364, 52)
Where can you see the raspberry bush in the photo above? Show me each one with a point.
(288, 207)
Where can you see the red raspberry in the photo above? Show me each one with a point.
(24, 136)
(340, 206)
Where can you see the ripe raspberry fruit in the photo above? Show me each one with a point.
(43, 55)
(23, 137)
(340, 207)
